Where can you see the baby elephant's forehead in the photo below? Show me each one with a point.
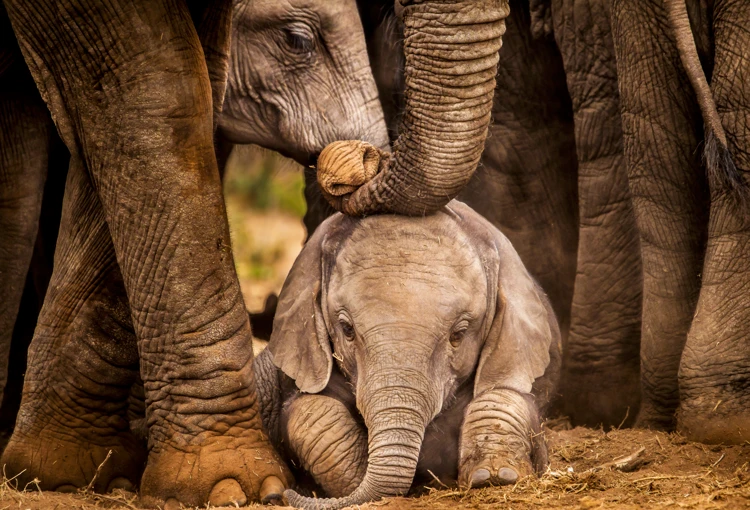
(436, 242)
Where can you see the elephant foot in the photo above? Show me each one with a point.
(221, 471)
(501, 440)
(706, 427)
(56, 461)
(494, 469)
(595, 398)
(653, 417)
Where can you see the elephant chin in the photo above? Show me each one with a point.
(393, 453)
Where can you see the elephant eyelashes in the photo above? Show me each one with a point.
(346, 328)
(300, 38)
(457, 337)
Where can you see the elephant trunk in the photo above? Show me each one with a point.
(396, 429)
(451, 55)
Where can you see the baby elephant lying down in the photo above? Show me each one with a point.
(406, 346)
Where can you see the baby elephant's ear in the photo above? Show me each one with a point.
(299, 341)
(524, 336)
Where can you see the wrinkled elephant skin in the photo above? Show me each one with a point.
(443, 344)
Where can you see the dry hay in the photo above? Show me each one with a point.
(669, 472)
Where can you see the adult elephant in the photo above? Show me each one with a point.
(662, 223)
(553, 179)
(656, 236)
(133, 88)
(684, 79)
(285, 90)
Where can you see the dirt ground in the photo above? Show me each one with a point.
(674, 473)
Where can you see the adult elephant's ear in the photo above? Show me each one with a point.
(522, 349)
(299, 342)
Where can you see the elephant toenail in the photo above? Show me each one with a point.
(271, 490)
(121, 483)
(172, 504)
(507, 476)
(480, 477)
(66, 487)
(227, 493)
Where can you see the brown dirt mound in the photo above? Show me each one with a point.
(669, 473)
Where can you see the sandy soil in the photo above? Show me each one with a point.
(674, 473)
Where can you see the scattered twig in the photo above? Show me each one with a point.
(437, 480)
(116, 500)
(668, 477)
(98, 470)
(626, 464)
(6, 480)
(717, 462)
(627, 412)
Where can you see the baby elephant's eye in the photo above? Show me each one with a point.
(346, 328)
(457, 337)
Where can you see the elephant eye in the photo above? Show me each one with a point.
(457, 337)
(300, 38)
(346, 328)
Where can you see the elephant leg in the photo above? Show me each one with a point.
(82, 362)
(37, 280)
(600, 366)
(662, 132)
(129, 89)
(501, 440)
(526, 185)
(24, 139)
(330, 444)
(714, 374)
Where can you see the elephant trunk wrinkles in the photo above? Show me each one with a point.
(451, 52)
(396, 424)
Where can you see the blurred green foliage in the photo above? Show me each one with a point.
(264, 180)
(261, 187)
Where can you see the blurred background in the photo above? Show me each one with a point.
(265, 205)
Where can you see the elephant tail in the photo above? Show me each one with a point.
(722, 173)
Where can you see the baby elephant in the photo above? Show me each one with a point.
(409, 345)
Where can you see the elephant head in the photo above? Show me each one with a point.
(410, 309)
(300, 78)
(451, 55)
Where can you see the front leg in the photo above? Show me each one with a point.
(501, 439)
(328, 441)
(130, 92)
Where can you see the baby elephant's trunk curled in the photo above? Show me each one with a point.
(395, 439)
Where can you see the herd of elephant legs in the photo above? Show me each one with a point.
(647, 269)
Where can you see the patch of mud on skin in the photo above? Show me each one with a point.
(674, 473)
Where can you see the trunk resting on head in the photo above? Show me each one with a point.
(451, 51)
